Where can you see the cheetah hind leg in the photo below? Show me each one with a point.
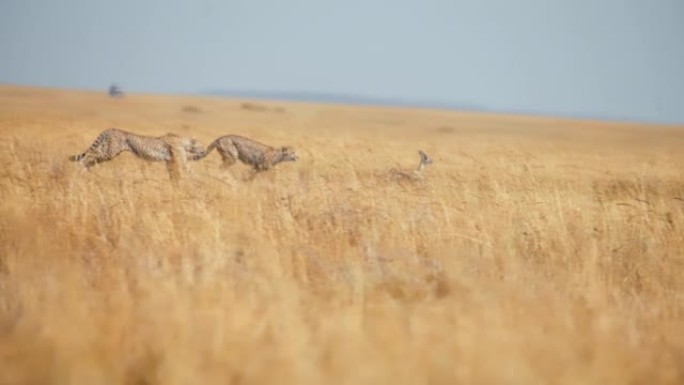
(229, 157)
(91, 160)
(227, 163)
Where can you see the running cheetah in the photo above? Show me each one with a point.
(168, 148)
(248, 151)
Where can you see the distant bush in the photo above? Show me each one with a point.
(192, 109)
(261, 108)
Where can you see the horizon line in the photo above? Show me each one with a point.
(350, 99)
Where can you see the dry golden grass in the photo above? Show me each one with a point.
(534, 251)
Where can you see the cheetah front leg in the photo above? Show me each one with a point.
(177, 164)
(251, 174)
(174, 170)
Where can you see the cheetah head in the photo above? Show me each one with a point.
(287, 153)
(193, 146)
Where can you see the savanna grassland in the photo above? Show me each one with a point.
(533, 251)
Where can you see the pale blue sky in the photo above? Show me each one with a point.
(619, 59)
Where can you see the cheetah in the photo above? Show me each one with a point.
(260, 156)
(168, 148)
(415, 174)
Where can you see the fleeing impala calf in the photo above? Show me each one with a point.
(411, 174)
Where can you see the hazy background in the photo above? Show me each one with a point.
(616, 59)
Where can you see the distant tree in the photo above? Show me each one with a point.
(115, 91)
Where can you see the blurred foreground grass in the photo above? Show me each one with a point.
(534, 250)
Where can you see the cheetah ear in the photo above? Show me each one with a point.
(284, 149)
